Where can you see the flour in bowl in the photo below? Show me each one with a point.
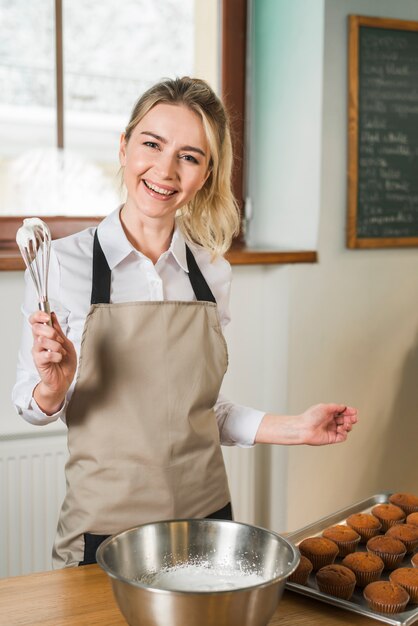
(198, 577)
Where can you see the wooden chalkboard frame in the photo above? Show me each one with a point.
(354, 24)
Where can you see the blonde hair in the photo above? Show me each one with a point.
(212, 217)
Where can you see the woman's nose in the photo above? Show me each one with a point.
(167, 166)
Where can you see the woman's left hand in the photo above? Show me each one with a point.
(317, 426)
(327, 423)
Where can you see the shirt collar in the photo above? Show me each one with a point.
(178, 248)
(116, 246)
(113, 240)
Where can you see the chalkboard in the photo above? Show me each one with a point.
(382, 133)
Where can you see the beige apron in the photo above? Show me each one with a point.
(142, 433)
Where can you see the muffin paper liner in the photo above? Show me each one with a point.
(412, 590)
(410, 545)
(320, 560)
(340, 591)
(388, 523)
(346, 547)
(408, 509)
(381, 607)
(364, 578)
(391, 561)
(300, 578)
(366, 533)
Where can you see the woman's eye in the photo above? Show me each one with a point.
(151, 144)
(190, 158)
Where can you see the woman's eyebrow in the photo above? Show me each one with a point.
(159, 138)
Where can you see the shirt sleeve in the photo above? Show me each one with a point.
(27, 376)
(237, 424)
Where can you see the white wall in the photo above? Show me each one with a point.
(257, 376)
(354, 323)
(352, 317)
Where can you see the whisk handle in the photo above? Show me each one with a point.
(44, 306)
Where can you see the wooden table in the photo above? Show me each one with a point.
(83, 597)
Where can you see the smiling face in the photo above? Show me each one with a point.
(165, 161)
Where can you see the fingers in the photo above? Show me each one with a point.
(51, 344)
(46, 351)
(341, 409)
(344, 425)
(42, 333)
(45, 357)
(39, 317)
(39, 322)
(344, 418)
(48, 341)
(351, 413)
(342, 431)
(334, 408)
(345, 415)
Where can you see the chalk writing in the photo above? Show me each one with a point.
(387, 202)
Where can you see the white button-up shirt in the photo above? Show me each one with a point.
(134, 278)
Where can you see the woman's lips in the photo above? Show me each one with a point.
(161, 192)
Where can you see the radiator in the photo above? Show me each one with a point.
(32, 488)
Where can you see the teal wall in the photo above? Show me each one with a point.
(285, 139)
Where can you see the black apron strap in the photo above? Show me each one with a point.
(200, 287)
(100, 291)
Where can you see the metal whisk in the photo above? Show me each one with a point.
(34, 241)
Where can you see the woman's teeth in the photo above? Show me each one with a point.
(163, 192)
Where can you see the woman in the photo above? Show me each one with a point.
(139, 304)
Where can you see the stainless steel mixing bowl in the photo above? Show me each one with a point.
(139, 552)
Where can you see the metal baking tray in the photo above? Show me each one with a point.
(357, 604)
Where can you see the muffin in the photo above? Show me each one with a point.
(345, 537)
(365, 524)
(408, 502)
(388, 515)
(301, 573)
(414, 560)
(386, 597)
(367, 567)
(412, 519)
(336, 580)
(319, 550)
(407, 577)
(407, 533)
(391, 551)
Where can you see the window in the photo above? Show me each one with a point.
(93, 111)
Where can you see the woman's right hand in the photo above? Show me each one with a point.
(55, 359)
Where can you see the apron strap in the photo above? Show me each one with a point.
(200, 287)
(100, 291)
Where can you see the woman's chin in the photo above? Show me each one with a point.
(151, 210)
